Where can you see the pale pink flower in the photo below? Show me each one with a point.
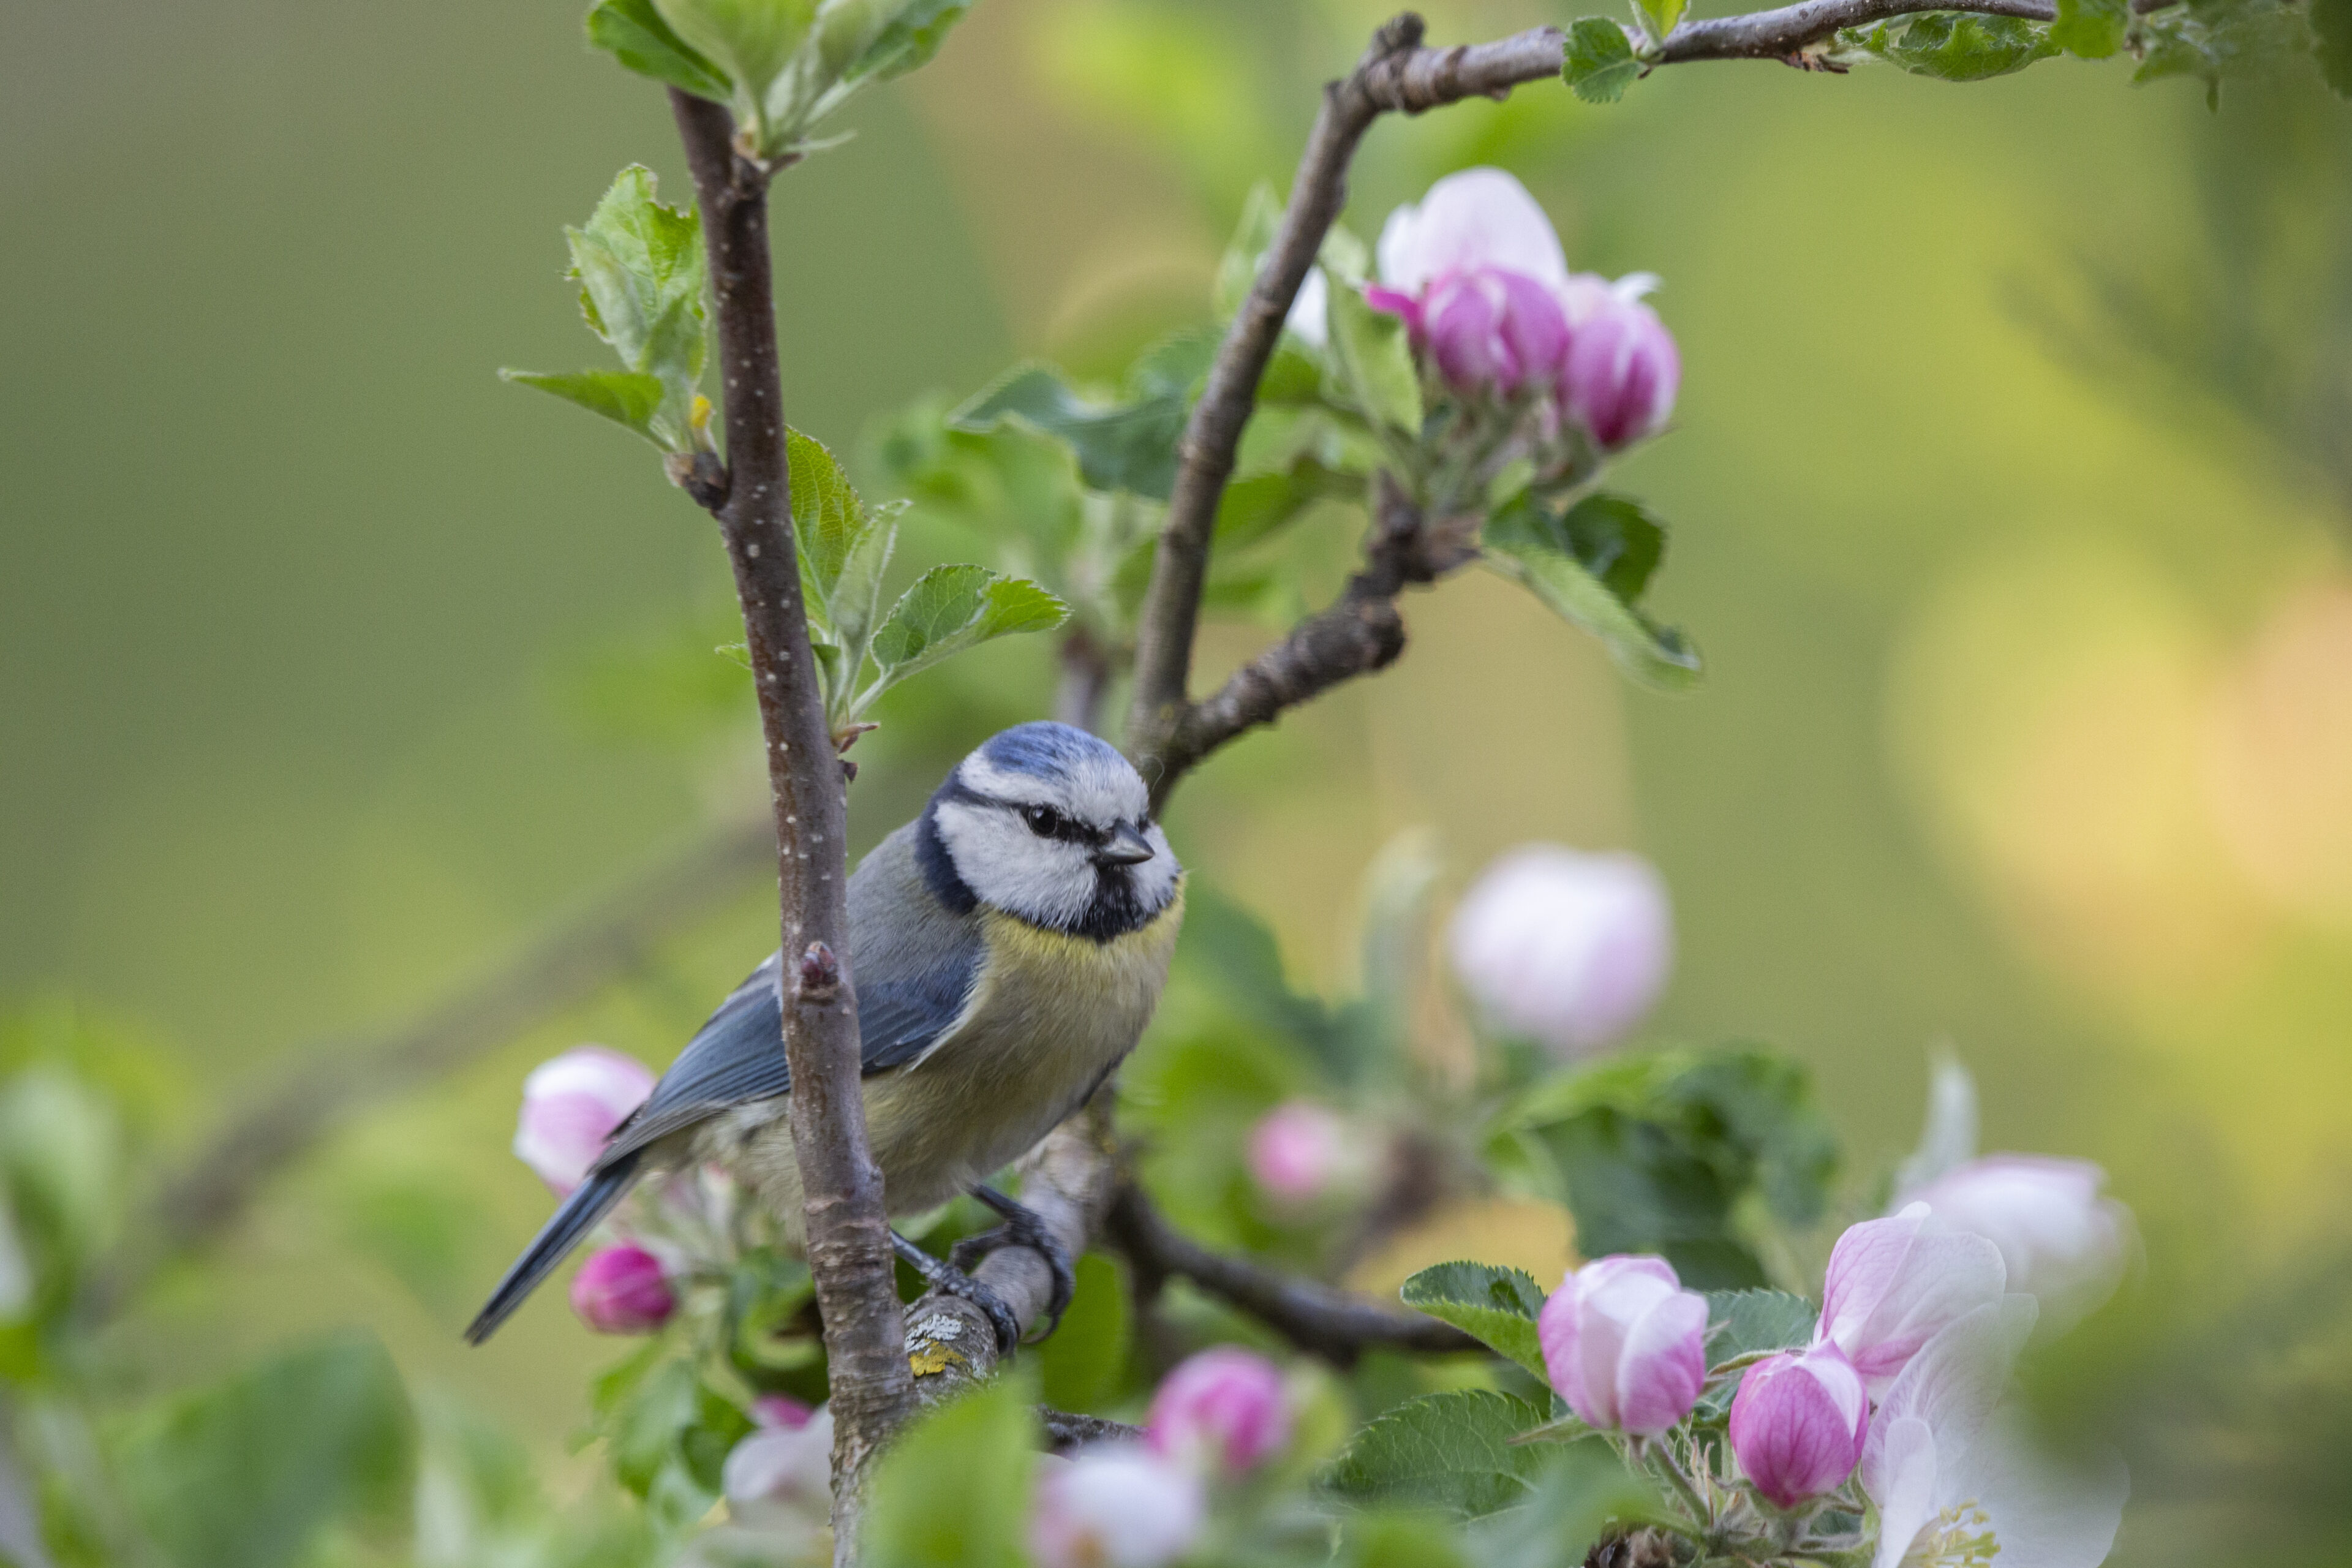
(1225, 1407)
(571, 1106)
(1569, 948)
(1894, 1283)
(1115, 1506)
(1298, 1150)
(1625, 1344)
(2061, 1242)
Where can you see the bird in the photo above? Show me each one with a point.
(1006, 949)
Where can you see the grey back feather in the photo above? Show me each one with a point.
(913, 962)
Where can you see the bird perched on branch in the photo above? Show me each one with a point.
(1006, 949)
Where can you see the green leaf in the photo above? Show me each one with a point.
(1452, 1451)
(1581, 1491)
(909, 40)
(1084, 1366)
(1497, 1307)
(1661, 16)
(1246, 253)
(750, 40)
(624, 396)
(634, 33)
(668, 1433)
(1375, 361)
(1590, 566)
(954, 1487)
(1955, 46)
(952, 608)
(1258, 507)
(2093, 29)
(1128, 447)
(2331, 22)
(247, 1473)
(829, 522)
(1746, 1323)
(641, 270)
(1599, 63)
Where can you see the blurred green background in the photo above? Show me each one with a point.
(2012, 490)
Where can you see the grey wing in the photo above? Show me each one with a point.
(914, 965)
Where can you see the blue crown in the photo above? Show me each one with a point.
(1046, 750)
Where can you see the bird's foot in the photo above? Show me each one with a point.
(1023, 1227)
(950, 1281)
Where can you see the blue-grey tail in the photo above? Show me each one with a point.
(588, 1203)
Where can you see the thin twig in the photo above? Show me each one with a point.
(564, 968)
(1066, 1432)
(1787, 33)
(1317, 1318)
(848, 1233)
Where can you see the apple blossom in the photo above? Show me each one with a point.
(1621, 369)
(1893, 1283)
(1957, 1481)
(1115, 1506)
(571, 1105)
(1625, 1344)
(2061, 1242)
(781, 1410)
(1567, 947)
(622, 1290)
(1798, 1423)
(781, 1474)
(1224, 1407)
(1298, 1150)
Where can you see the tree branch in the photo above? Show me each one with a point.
(848, 1233)
(567, 966)
(1784, 33)
(1318, 1319)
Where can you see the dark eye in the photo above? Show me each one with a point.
(1042, 820)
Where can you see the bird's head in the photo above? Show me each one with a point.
(1051, 824)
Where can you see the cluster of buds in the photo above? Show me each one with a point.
(1563, 368)
(1920, 1325)
(1219, 1416)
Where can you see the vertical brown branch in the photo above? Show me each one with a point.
(847, 1229)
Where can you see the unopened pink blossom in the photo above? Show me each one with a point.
(781, 1410)
(623, 1290)
(1223, 1408)
(1894, 1283)
(1798, 1423)
(1473, 219)
(1115, 1506)
(2061, 1241)
(1625, 1344)
(1486, 329)
(1298, 1150)
(1569, 948)
(571, 1106)
(1621, 369)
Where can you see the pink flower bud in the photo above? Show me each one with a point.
(1488, 330)
(1625, 1344)
(1893, 1283)
(1569, 948)
(2061, 1241)
(1798, 1423)
(570, 1107)
(1116, 1505)
(1224, 1407)
(1622, 369)
(1298, 1150)
(781, 1410)
(620, 1291)
(1476, 218)
(782, 1475)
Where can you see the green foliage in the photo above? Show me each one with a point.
(1373, 361)
(1743, 1323)
(641, 272)
(634, 33)
(907, 41)
(667, 1432)
(1660, 17)
(2091, 29)
(1497, 1307)
(1129, 446)
(246, 1473)
(2331, 24)
(2213, 40)
(1591, 566)
(1599, 62)
(1660, 1153)
(955, 1486)
(1237, 270)
(1084, 1366)
(1454, 1452)
(1952, 45)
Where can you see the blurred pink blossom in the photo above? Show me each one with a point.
(1621, 369)
(1569, 948)
(1224, 1407)
(571, 1105)
(1625, 1344)
(1115, 1506)
(1893, 1283)
(1298, 1150)
(781, 1476)
(2061, 1241)
(622, 1290)
(781, 1410)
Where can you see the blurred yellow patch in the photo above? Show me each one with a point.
(1516, 1233)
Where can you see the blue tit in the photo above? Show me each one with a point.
(1007, 948)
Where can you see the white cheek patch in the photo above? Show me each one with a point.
(1098, 790)
(1043, 880)
(1155, 880)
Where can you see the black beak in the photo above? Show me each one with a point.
(1126, 847)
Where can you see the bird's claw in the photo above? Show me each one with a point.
(1023, 1227)
(950, 1279)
